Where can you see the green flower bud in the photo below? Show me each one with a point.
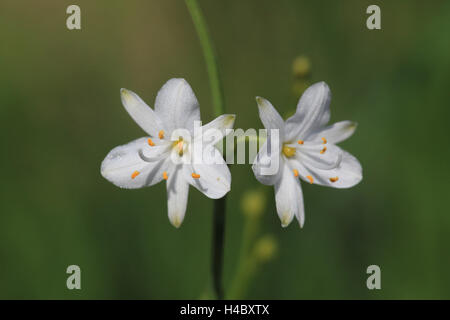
(253, 203)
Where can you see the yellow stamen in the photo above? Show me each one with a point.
(334, 179)
(195, 176)
(323, 150)
(134, 174)
(295, 173)
(161, 134)
(311, 180)
(150, 142)
(324, 140)
(288, 151)
(165, 177)
(180, 146)
(300, 141)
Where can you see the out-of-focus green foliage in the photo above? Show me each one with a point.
(61, 113)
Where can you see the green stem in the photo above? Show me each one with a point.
(218, 106)
(246, 262)
(218, 245)
(209, 54)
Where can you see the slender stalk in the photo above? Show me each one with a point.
(218, 245)
(209, 54)
(218, 106)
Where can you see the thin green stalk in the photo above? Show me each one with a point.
(246, 262)
(209, 54)
(218, 245)
(219, 108)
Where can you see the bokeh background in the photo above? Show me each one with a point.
(61, 113)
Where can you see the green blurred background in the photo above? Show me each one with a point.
(61, 114)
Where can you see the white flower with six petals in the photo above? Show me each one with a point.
(305, 148)
(175, 150)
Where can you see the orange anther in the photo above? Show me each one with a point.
(323, 150)
(324, 140)
(300, 141)
(134, 174)
(150, 142)
(165, 177)
(311, 180)
(334, 179)
(195, 176)
(295, 173)
(161, 134)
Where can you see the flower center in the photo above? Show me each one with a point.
(288, 151)
(179, 146)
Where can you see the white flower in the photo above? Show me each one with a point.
(173, 151)
(305, 149)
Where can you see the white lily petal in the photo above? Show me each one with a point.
(335, 133)
(346, 175)
(268, 163)
(214, 131)
(209, 174)
(270, 117)
(320, 156)
(177, 196)
(177, 105)
(141, 113)
(127, 166)
(313, 111)
(289, 198)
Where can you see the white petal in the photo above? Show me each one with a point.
(335, 133)
(289, 198)
(141, 113)
(177, 196)
(270, 117)
(348, 173)
(215, 176)
(320, 156)
(177, 105)
(313, 111)
(267, 165)
(127, 166)
(214, 131)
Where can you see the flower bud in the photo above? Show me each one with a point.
(301, 67)
(253, 203)
(266, 248)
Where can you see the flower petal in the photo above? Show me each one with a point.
(141, 113)
(214, 131)
(320, 156)
(335, 133)
(213, 177)
(289, 198)
(346, 175)
(128, 166)
(270, 117)
(313, 111)
(268, 162)
(177, 196)
(177, 105)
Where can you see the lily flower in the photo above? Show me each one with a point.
(306, 149)
(175, 150)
